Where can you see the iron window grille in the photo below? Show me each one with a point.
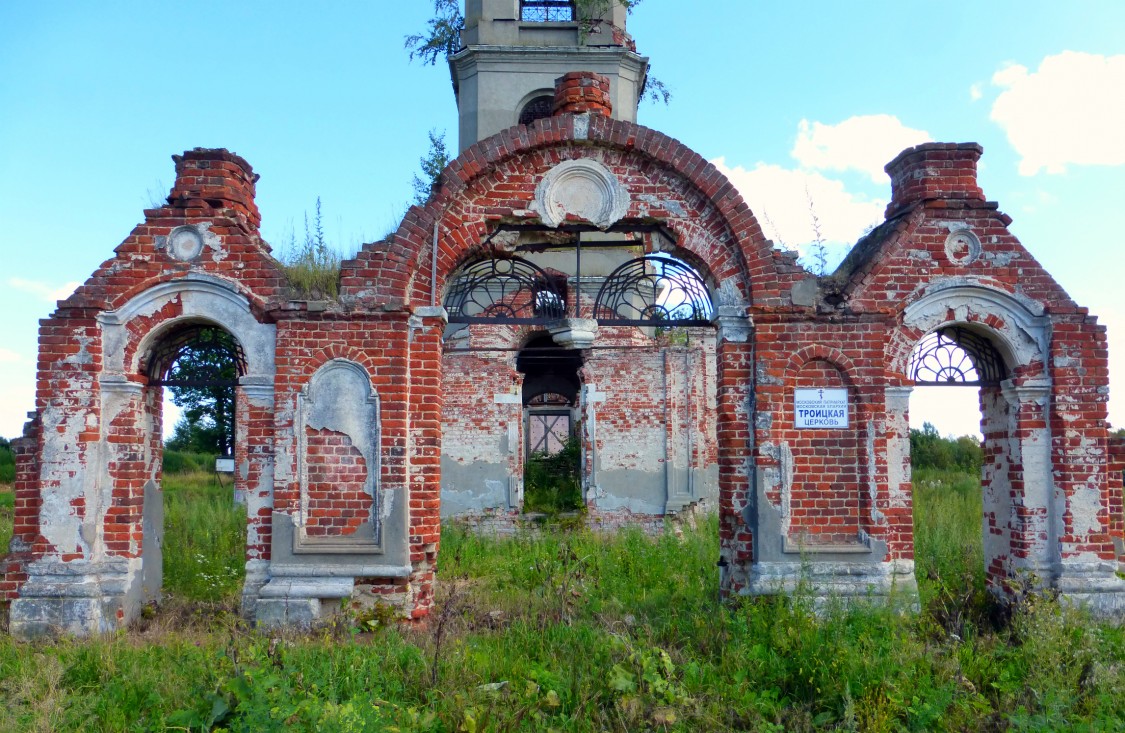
(505, 290)
(537, 109)
(547, 11)
(549, 423)
(956, 356)
(654, 290)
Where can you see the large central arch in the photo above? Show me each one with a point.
(592, 173)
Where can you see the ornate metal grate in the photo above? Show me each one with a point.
(505, 290)
(537, 109)
(955, 355)
(199, 355)
(654, 289)
(546, 11)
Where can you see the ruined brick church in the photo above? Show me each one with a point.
(575, 279)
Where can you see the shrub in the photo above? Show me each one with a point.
(7, 463)
(551, 482)
(179, 462)
(929, 450)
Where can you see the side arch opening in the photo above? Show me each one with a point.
(977, 488)
(194, 518)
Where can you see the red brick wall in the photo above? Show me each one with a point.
(827, 464)
(1116, 479)
(402, 355)
(336, 474)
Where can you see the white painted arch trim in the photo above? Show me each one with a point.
(1024, 338)
(202, 298)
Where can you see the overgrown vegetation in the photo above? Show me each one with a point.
(7, 498)
(7, 462)
(928, 449)
(552, 483)
(311, 266)
(176, 462)
(7, 516)
(581, 632)
(432, 163)
(204, 536)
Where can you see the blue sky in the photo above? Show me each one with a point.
(785, 97)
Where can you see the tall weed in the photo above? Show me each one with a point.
(575, 631)
(204, 538)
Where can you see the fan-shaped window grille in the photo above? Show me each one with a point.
(956, 356)
(654, 290)
(505, 290)
(537, 109)
(546, 11)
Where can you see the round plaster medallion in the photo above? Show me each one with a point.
(184, 243)
(962, 247)
(582, 188)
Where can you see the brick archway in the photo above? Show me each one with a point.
(117, 535)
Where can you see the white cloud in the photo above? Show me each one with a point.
(16, 398)
(780, 197)
(865, 143)
(43, 291)
(976, 91)
(1071, 111)
(7, 356)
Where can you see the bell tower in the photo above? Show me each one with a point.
(514, 50)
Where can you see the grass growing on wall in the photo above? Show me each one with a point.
(579, 632)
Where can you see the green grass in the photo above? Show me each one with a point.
(948, 531)
(7, 509)
(577, 632)
(204, 538)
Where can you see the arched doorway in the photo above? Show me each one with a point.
(195, 504)
(573, 346)
(552, 470)
(977, 337)
(951, 475)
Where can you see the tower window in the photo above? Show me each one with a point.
(537, 109)
(547, 11)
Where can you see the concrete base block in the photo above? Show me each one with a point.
(35, 618)
(294, 612)
(76, 598)
(827, 581)
(299, 601)
(257, 575)
(1094, 586)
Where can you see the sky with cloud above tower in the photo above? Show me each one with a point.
(800, 104)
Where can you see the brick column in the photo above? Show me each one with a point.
(254, 471)
(579, 92)
(25, 532)
(424, 452)
(1087, 558)
(734, 384)
(900, 505)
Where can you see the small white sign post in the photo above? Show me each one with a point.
(820, 408)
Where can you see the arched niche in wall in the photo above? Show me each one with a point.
(338, 462)
(824, 467)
